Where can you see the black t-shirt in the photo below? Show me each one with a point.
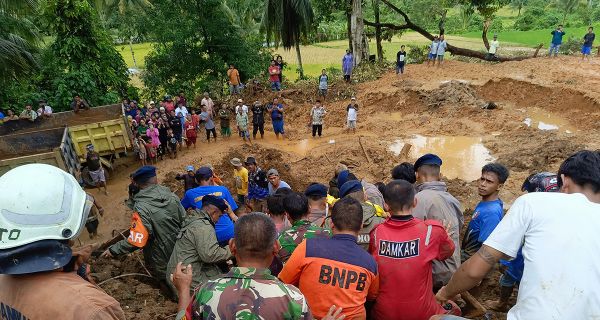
(588, 39)
(258, 114)
(93, 161)
(400, 53)
(175, 124)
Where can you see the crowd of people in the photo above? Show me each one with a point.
(346, 249)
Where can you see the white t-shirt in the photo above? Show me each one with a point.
(441, 49)
(352, 114)
(244, 108)
(433, 48)
(561, 246)
(47, 110)
(494, 45)
(183, 110)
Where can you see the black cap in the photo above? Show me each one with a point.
(215, 201)
(250, 160)
(428, 159)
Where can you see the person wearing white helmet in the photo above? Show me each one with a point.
(41, 276)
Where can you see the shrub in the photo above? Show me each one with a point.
(416, 53)
(571, 46)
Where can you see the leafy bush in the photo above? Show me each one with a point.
(571, 46)
(416, 53)
(538, 18)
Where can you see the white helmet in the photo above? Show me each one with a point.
(40, 202)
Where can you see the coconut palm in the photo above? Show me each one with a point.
(285, 21)
(115, 12)
(18, 38)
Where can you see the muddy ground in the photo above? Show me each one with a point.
(442, 106)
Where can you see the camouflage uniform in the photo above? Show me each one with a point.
(197, 245)
(161, 215)
(292, 237)
(370, 221)
(247, 293)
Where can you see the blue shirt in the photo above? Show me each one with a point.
(557, 36)
(1, 115)
(193, 199)
(486, 217)
(282, 184)
(515, 266)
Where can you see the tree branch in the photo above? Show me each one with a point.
(452, 49)
(390, 26)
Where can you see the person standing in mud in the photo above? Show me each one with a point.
(276, 111)
(258, 119)
(317, 113)
(352, 110)
(347, 65)
(400, 60)
(157, 218)
(557, 36)
(435, 203)
(441, 50)
(588, 42)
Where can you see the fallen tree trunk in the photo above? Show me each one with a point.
(408, 24)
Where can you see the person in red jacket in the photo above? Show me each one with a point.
(404, 247)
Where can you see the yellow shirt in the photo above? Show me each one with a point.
(241, 181)
(331, 200)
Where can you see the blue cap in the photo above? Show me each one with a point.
(428, 159)
(215, 201)
(350, 187)
(144, 173)
(204, 173)
(189, 168)
(316, 190)
(342, 177)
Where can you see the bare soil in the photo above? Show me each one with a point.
(426, 101)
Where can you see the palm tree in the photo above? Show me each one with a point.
(518, 4)
(18, 38)
(245, 14)
(285, 21)
(116, 12)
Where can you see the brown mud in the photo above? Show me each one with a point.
(424, 102)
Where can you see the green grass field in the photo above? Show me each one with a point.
(329, 54)
(532, 37)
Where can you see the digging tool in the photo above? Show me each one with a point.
(118, 237)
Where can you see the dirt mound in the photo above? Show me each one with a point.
(520, 154)
(139, 296)
(451, 93)
(175, 185)
(266, 158)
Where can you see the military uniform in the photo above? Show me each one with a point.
(247, 293)
(197, 245)
(370, 221)
(157, 218)
(292, 237)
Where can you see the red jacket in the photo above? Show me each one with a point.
(404, 247)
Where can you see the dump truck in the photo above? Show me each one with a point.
(50, 146)
(25, 142)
